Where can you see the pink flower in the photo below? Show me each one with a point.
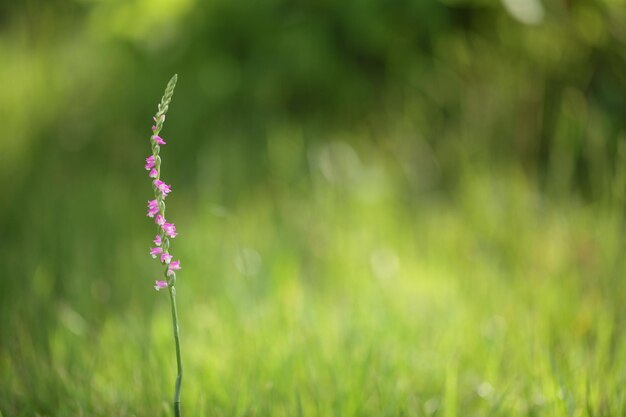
(163, 187)
(150, 162)
(153, 208)
(157, 240)
(166, 258)
(159, 285)
(173, 266)
(153, 173)
(154, 128)
(158, 140)
(160, 220)
(156, 251)
(170, 230)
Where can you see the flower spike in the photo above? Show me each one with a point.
(166, 231)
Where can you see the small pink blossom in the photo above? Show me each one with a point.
(154, 128)
(153, 208)
(173, 266)
(157, 240)
(163, 187)
(156, 251)
(150, 162)
(153, 173)
(160, 220)
(159, 285)
(169, 229)
(158, 140)
(166, 258)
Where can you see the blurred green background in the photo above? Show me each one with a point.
(386, 208)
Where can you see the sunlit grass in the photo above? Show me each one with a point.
(494, 301)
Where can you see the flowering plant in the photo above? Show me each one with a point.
(165, 230)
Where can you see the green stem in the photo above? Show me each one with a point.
(179, 361)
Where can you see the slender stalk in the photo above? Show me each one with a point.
(156, 209)
(179, 361)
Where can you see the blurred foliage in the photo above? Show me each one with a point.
(315, 149)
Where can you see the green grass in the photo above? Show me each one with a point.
(332, 296)
(418, 271)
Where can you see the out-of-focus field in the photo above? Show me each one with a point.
(412, 209)
(323, 301)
